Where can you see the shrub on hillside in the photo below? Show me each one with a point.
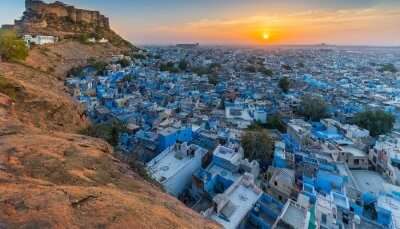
(12, 48)
(108, 131)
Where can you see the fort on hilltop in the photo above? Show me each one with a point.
(65, 21)
(59, 19)
(39, 9)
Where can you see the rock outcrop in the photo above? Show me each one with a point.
(65, 21)
(40, 11)
(53, 177)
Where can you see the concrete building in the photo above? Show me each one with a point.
(232, 207)
(388, 211)
(354, 157)
(238, 116)
(232, 158)
(294, 216)
(39, 40)
(385, 157)
(299, 131)
(282, 183)
(226, 167)
(174, 167)
(331, 211)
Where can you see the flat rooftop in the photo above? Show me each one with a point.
(393, 205)
(295, 216)
(241, 201)
(167, 131)
(369, 181)
(344, 170)
(218, 170)
(299, 124)
(226, 153)
(354, 151)
(167, 164)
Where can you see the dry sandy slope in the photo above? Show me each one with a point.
(50, 177)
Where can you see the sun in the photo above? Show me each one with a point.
(265, 36)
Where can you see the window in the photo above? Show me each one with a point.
(356, 161)
(323, 219)
(275, 183)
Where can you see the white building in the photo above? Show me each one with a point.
(385, 156)
(300, 131)
(91, 40)
(103, 40)
(390, 206)
(232, 207)
(282, 183)
(231, 158)
(174, 167)
(239, 116)
(39, 40)
(260, 115)
(355, 132)
(354, 157)
(293, 216)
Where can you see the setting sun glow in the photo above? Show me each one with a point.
(265, 36)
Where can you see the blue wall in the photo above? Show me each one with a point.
(183, 135)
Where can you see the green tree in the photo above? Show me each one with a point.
(124, 62)
(251, 68)
(142, 57)
(84, 38)
(222, 104)
(201, 70)
(275, 122)
(258, 145)
(376, 121)
(213, 79)
(100, 66)
(9, 88)
(284, 84)
(183, 65)
(287, 67)
(300, 65)
(313, 108)
(256, 126)
(214, 66)
(75, 71)
(388, 68)
(169, 67)
(109, 131)
(12, 48)
(266, 71)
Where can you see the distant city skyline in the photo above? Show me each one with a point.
(250, 22)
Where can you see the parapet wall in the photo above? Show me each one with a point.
(61, 10)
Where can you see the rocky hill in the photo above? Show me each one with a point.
(65, 22)
(52, 177)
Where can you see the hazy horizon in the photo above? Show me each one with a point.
(244, 23)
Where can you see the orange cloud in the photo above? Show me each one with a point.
(340, 26)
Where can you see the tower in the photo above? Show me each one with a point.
(28, 4)
(31, 4)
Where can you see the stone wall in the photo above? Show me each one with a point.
(58, 9)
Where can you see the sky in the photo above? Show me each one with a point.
(244, 22)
